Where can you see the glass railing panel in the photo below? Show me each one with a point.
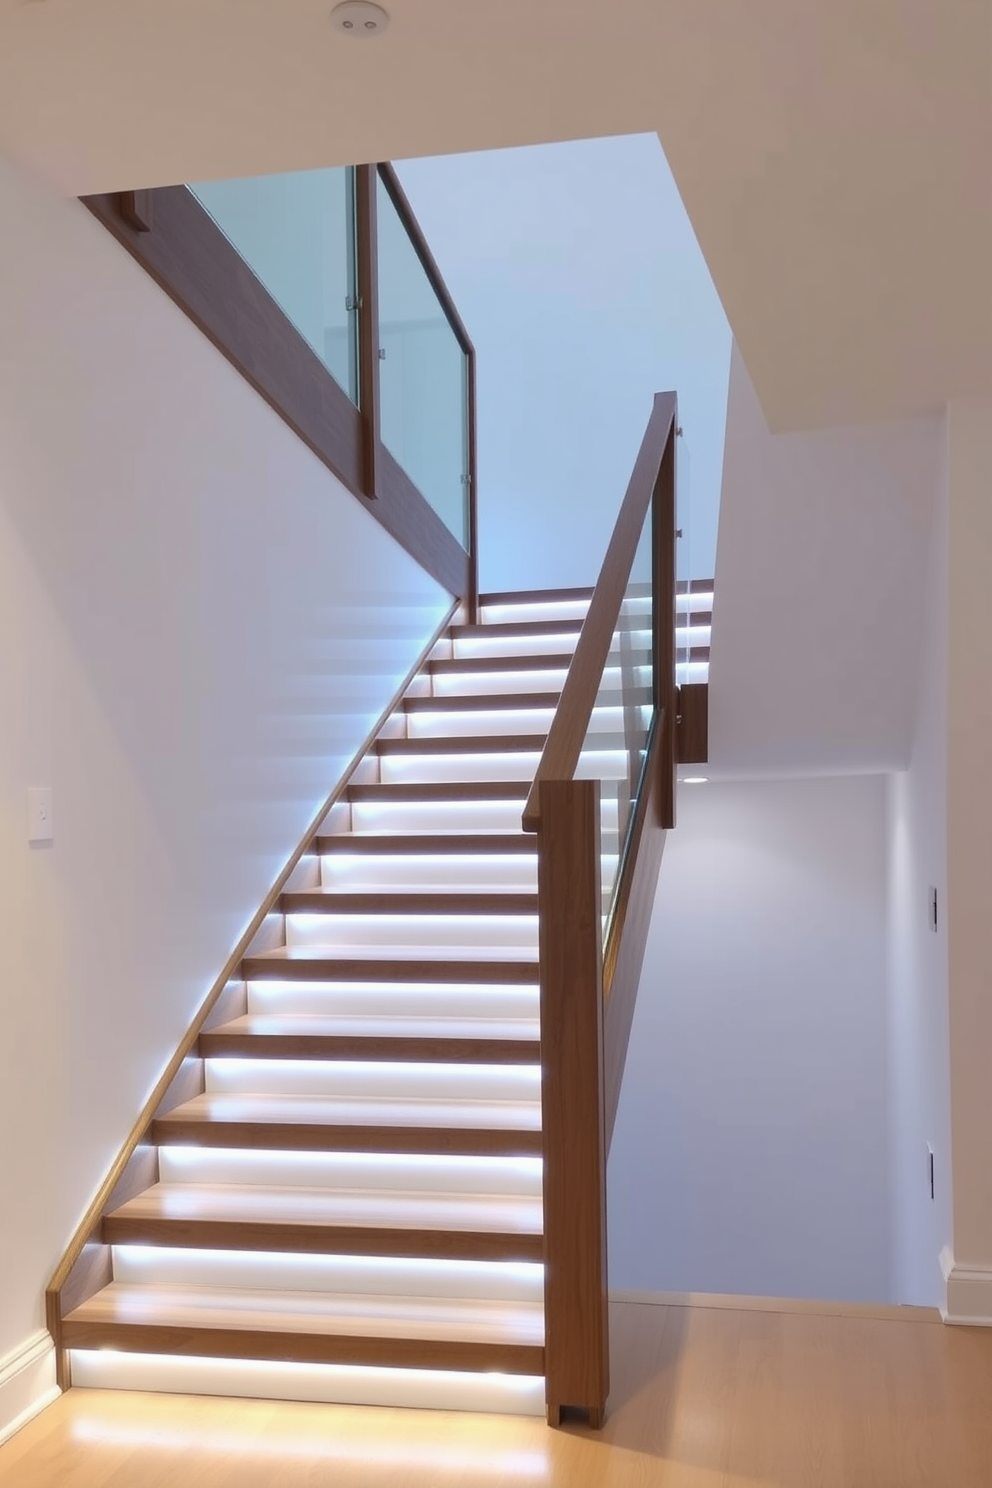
(423, 375)
(616, 743)
(296, 232)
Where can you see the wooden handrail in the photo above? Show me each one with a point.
(414, 232)
(571, 721)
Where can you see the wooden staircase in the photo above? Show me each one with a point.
(351, 1207)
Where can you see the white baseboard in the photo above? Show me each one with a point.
(27, 1382)
(967, 1292)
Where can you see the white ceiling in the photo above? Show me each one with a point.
(820, 590)
(833, 155)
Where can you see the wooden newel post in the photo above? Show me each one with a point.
(575, 1287)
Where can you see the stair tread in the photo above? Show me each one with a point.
(466, 844)
(453, 1318)
(264, 1024)
(406, 901)
(510, 628)
(397, 955)
(525, 597)
(455, 970)
(558, 661)
(483, 702)
(464, 744)
(442, 790)
(380, 1110)
(336, 1208)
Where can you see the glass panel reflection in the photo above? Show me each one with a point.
(296, 232)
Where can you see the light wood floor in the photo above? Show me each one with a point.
(742, 1395)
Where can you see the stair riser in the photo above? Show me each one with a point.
(478, 723)
(376, 1172)
(420, 769)
(537, 611)
(353, 1080)
(448, 873)
(599, 764)
(472, 684)
(328, 999)
(359, 1275)
(608, 718)
(412, 1388)
(481, 646)
(425, 932)
(437, 816)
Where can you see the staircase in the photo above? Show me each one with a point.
(351, 1209)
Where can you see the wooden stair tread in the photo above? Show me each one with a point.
(443, 790)
(322, 1313)
(489, 1041)
(289, 1111)
(376, 902)
(510, 628)
(534, 596)
(292, 964)
(424, 844)
(464, 744)
(558, 661)
(482, 702)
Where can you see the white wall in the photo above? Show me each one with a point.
(578, 275)
(198, 626)
(919, 1068)
(821, 565)
(750, 1153)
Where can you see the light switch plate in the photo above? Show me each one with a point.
(41, 827)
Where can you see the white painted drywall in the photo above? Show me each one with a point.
(820, 572)
(198, 626)
(750, 1152)
(919, 1065)
(969, 832)
(578, 275)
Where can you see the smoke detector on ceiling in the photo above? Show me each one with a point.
(359, 18)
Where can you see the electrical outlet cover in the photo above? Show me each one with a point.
(41, 827)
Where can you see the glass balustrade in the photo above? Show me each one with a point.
(423, 375)
(616, 743)
(296, 232)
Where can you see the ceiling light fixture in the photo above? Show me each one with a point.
(359, 18)
(695, 780)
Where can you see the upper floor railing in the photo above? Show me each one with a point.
(319, 286)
